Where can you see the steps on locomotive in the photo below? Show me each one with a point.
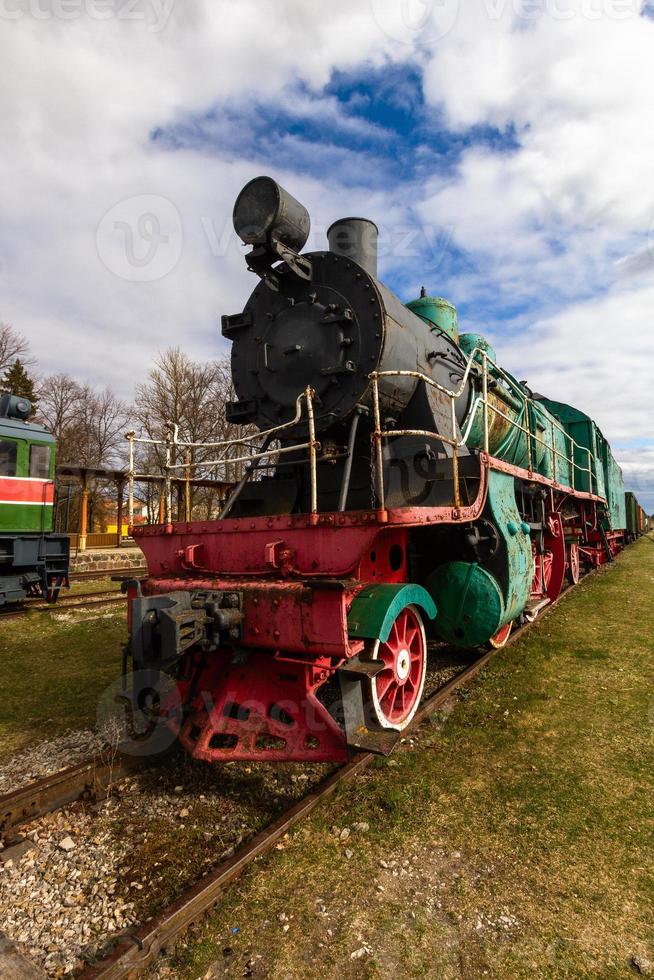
(532, 608)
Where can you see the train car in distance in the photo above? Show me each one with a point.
(637, 519)
(33, 560)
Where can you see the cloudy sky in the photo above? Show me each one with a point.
(504, 147)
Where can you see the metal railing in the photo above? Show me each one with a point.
(478, 363)
(172, 444)
(455, 441)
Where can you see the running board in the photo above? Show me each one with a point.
(380, 742)
(532, 608)
(360, 667)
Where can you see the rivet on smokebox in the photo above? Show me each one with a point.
(276, 634)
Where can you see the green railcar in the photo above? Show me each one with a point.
(33, 560)
(596, 470)
(637, 520)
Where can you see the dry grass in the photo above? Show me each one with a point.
(53, 669)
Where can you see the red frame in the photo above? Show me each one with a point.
(298, 576)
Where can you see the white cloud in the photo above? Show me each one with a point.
(79, 101)
(549, 222)
(542, 226)
(593, 355)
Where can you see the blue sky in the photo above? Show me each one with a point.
(506, 156)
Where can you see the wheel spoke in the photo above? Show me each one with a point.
(403, 628)
(389, 698)
(410, 636)
(383, 676)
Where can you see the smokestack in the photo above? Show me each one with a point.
(356, 239)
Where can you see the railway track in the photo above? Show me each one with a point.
(134, 952)
(126, 570)
(83, 601)
(88, 780)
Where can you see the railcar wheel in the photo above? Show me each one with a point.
(395, 692)
(501, 637)
(573, 563)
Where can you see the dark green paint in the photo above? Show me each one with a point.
(376, 608)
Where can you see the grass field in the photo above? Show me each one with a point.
(514, 839)
(53, 668)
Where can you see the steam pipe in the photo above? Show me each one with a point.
(347, 470)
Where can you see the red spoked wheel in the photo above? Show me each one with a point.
(573, 563)
(501, 637)
(395, 692)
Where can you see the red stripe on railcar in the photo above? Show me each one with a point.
(17, 491)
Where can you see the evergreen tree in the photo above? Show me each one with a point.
(17, 381)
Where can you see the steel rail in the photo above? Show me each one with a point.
(87, 780)
(130, 570)
(87, 602)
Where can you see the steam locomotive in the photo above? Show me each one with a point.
(403, 487)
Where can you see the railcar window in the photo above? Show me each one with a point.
(40, 462)
(8, 456)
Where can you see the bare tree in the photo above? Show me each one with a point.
(12, 345)
(191, 395)
(89, 427)
(59, 409)
(87, 424)
(103, 420)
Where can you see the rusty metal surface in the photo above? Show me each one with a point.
(88, 780)
(132, 571)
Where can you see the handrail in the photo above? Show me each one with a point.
(478, 361)
(173, 442)
(378, 434)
